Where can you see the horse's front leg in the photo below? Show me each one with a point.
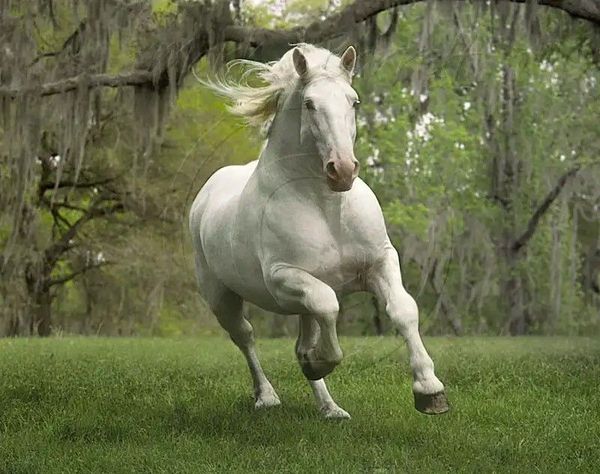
(308, 337)
(385, 281)
(297, 291)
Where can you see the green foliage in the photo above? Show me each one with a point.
(429, 99)
(164, 6)
(427, 152)
(413, 216)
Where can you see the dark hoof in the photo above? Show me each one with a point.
(432, 404)
(315, 370)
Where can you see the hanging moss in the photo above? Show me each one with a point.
(42, 42)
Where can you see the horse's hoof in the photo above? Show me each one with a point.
(267, 401)
(334, 412)
(431, 404)
(316, 369)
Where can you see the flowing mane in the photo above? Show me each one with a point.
(258, 105)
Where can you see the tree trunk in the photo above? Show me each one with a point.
(513, 290)
(37, 278)
(506, 185)
(43, 312)
(13, 327)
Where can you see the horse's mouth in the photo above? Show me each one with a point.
(339, 186)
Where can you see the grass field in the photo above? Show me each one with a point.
(168, 405)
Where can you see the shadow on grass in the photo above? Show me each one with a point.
(239, 420)
(236, 419)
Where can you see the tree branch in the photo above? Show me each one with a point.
(361, 10)
(519, 243)
(72, 38)
(583, 9)
(70, 276)
(44, 186)
(53, 252)
(134, 78)
(196, 47)
(58, 218)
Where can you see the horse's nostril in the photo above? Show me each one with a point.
(330, 169)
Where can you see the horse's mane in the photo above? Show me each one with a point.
(258, 105)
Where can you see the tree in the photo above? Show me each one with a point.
(102, 78)
(478, 187)
(72, 203)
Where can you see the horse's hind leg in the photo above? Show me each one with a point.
(307, 339)
(228, 308)
(229, 312)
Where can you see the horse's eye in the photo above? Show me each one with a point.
(309, 104)
(356, 103)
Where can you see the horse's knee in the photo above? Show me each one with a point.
(318, 300)
(300, 292)
(322, 300)
(403, 311)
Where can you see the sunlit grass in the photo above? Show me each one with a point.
(184, 405)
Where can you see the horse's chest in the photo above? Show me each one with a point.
(328, 247)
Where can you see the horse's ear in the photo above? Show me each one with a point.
(349, 60)
(300, 62)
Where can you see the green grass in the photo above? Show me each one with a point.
(169, 405)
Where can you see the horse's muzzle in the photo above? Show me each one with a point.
(341, 173)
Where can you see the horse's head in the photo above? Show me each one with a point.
(328, 114)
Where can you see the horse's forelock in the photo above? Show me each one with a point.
(259, 104)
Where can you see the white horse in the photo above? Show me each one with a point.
(295, 230)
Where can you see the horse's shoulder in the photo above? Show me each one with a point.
(363, 208)
(362, 194)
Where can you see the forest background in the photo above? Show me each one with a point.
(478, 131)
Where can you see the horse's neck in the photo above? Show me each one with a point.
(287, 158)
